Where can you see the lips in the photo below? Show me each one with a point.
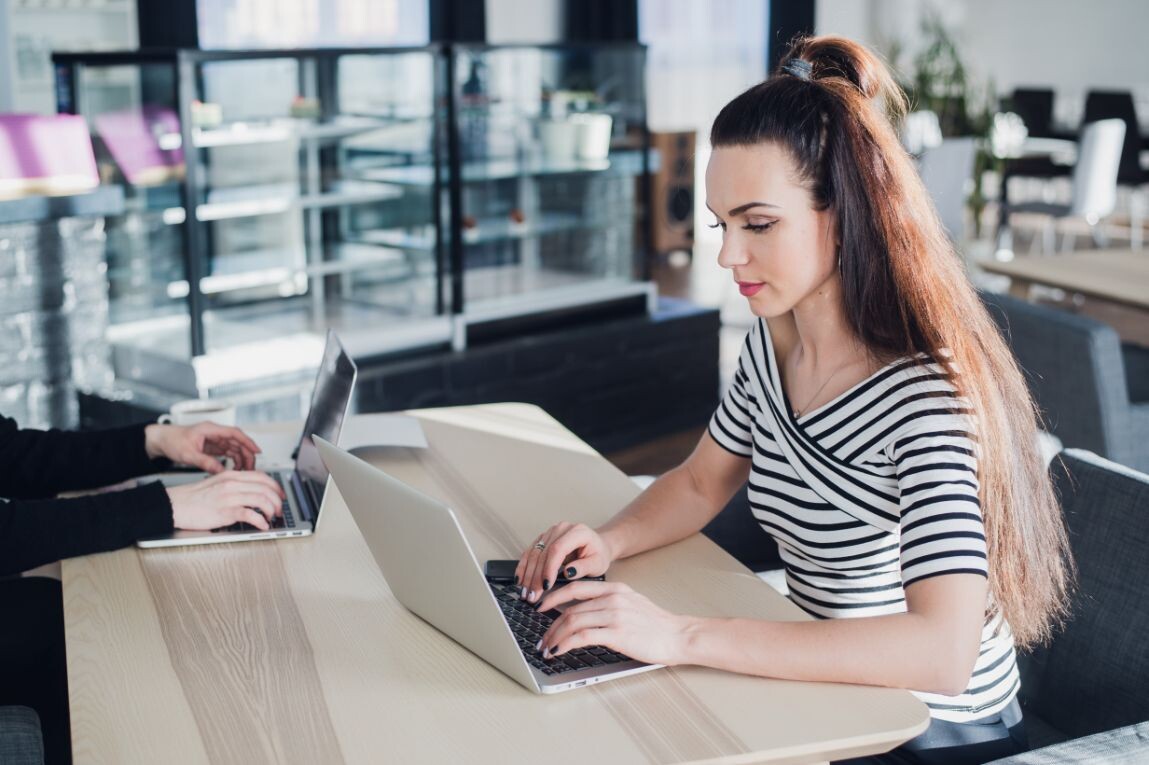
(750, 289)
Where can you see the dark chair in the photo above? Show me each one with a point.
(1117, 104)
(1035, 107)
(20, 740)
(1092, 680)
(1078, 373)
(1094, 194)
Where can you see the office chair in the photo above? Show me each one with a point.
(946, 171)
(1094, 187)
(1110, 104)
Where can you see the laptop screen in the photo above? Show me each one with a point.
(329, 404)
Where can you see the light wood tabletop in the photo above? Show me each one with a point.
(296, 651)
(1118, 276)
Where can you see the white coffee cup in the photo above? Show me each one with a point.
(593, 135)
(194, 410)
(559, 140)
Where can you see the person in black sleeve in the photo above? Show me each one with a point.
(36, 528)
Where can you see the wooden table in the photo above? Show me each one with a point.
(1113, 283)
(296, 651)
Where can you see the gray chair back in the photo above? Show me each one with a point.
(1075, 370)
(21, 742)
(1094, 676)
(947, 173)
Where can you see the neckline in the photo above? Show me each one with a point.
(776, 378)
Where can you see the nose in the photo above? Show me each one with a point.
(732, 254)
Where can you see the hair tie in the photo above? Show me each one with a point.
(801, 69)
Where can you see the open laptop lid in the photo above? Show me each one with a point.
(424, 556)
(330, 401)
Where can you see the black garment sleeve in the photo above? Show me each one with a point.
(35, 532)
(42, 463)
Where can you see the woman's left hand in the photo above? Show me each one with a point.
(201, 445)
(614, 616)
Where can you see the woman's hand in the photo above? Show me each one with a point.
(613, 615)
(201, 445)
(226, 498)
(575, 548)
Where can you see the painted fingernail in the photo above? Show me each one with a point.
(531, 596)
(546, 584)
(571, 573)
(547, 653)
(539, 646)
(555, 651)
(516, 579)
(522, 593)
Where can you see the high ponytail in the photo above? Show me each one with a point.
(832, 104)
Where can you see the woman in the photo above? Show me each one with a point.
(888, 437)
(37, 528)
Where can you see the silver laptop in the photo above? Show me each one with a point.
(306, 480)
(419, 545)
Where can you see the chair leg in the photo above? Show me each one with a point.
(1099, 239)
(1136, 219)
(1048, 235)
(1068, 240)
(1003, 239)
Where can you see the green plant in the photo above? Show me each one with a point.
(942, 83)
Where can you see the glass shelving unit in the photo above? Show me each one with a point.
(410, 198)
(552, 144)
(257, 216)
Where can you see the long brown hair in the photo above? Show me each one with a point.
(832, 104)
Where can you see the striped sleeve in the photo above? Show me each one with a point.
(935, 460)
(732, 423)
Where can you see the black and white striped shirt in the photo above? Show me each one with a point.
(866, 495)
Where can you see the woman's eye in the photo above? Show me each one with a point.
(717, 224)
(758, 228)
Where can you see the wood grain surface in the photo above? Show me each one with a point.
(297, 652)
(1117, 276)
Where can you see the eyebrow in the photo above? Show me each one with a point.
(743, 208)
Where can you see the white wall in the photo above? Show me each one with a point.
(1075, 46)
(700, 55)
(524, 21)
(35, 29)
(1070, 45)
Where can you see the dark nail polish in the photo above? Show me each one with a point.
(516, 580)
(546, 584)
(556, 650)
(571, 573)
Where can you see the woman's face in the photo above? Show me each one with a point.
(779, 248)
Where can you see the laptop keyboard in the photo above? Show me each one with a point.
(287, 521)
(529, 625)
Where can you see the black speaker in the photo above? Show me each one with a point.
(672, 192)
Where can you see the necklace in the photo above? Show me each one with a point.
(797, 412)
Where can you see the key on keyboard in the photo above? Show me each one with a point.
(528, 625)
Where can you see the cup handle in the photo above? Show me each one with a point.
(164, 419)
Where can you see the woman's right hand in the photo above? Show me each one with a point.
(226, 498)
(575, 548)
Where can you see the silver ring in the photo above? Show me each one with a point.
(540, 545)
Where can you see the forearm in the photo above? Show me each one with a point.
(42, 531)
(42, 463)
(898, 651)
(670, 509)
